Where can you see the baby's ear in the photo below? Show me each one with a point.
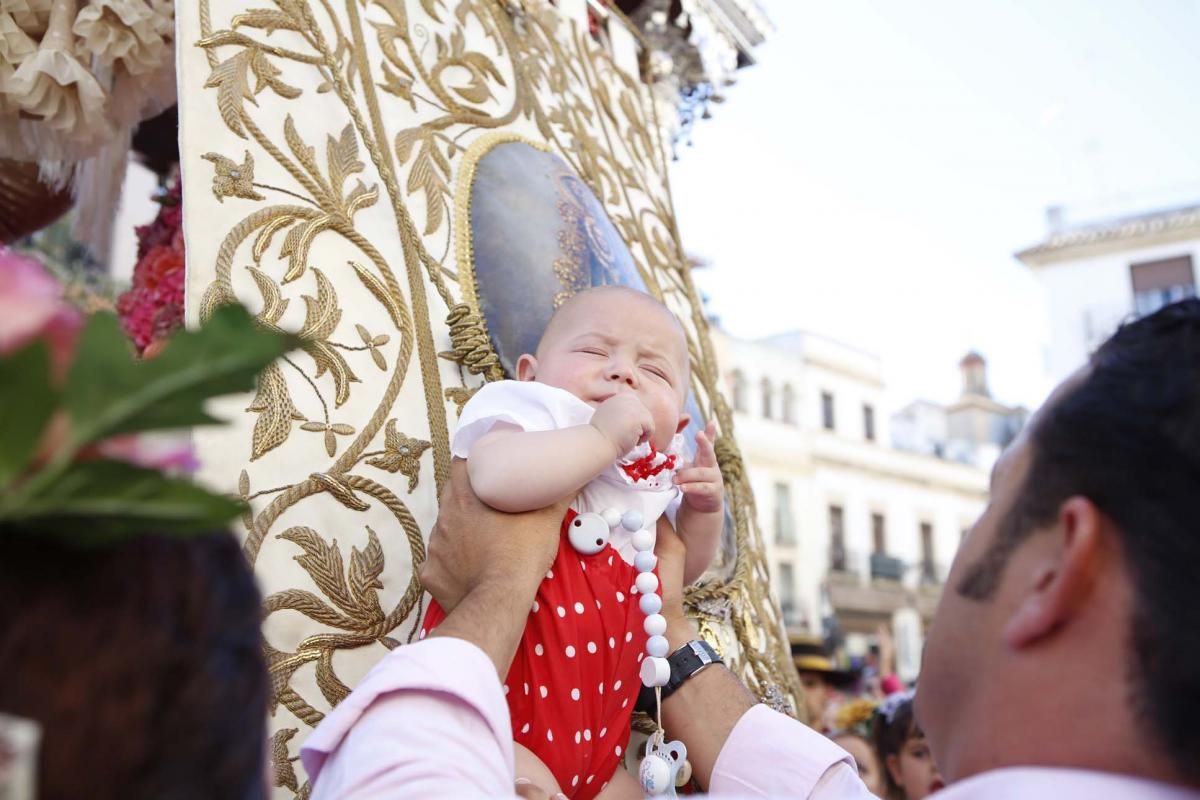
(526, 368)
(684, 420)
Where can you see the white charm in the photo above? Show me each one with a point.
(642, 540)
(656, 671)
(660, 768)
(631, 520)
(657, 646)
(588, 533)
(645, 561)
(612, 517)
(655, 625)
(646, 583)
(650, 604)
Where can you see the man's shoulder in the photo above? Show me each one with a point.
(1051, 783)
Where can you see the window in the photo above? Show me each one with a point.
(789, 405)
(837, 539)
(878, 534)
(1159, 283)
(928, 567)
(768, 399)
(785, 528)
(787, 593)
(739, 391)
(827, 420)
(868, 423)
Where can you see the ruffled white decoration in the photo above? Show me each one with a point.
(61, 96)
(74, 83)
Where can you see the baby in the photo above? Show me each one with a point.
(597, 415)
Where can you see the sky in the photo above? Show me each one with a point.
(871, 176)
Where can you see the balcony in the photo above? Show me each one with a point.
(886, 568)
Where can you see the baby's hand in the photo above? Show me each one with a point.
(703, 488)
(624, 420)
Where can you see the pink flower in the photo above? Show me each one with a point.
(32, 306)
(170, 452)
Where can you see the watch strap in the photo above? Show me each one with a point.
(685, 662)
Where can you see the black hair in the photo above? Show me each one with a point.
(1127, 437)
(889, 732)
(141, 661)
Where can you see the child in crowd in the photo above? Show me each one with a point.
(852, 732)
(597, 413)
(900, 745)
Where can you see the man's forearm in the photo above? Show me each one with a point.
(518, 471)
(704, 710)
(492, 617)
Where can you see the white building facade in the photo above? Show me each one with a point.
(1096, 274)
(854, 528)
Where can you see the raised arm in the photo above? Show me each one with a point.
(514, 470)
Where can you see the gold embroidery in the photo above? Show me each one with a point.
(451, 78)
(401, 453)
(233, 179)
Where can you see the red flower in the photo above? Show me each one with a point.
(153, 307)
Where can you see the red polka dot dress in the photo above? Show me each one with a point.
(575, 677)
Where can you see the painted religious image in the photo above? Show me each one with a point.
(533, 235)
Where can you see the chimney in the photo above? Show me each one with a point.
(974, 375)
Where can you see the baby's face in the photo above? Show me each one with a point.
(608, 341)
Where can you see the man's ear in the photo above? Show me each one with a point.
(1064, 577)
(684, 420)
(526, 368)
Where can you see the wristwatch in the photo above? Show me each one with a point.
(685, 662)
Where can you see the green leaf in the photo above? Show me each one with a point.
(110, 392)
(27, 400)
(97, 502)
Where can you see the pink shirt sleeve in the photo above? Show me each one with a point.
(429, 720)
(769, 754)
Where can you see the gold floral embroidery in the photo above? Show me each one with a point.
(401, 454)
(232, 179)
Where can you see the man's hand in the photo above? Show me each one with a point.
(701, 482)
(625, 421)
(474, 546)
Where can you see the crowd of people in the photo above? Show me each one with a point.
(1061, 660)
(866, 710)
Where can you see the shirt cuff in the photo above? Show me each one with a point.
(444, 665)
(769, 754)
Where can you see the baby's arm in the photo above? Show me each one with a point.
(702, 513)
(514, 470)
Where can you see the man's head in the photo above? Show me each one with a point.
(612, 339)
(1067, 632)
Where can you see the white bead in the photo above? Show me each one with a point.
(656, 646)
(631, 520)
(642, 540)
(655, 775)
(655, 672)
(588, 533)
(655, 625)
(650, 604)
(646, 583)
(612, 517)
(645, 561)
